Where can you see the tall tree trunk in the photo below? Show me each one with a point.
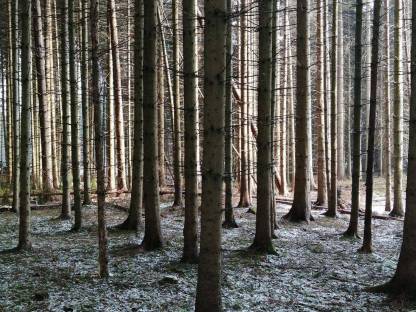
(245, 200)
(99, 142)
(118, 107)
(111, 166)
(66, 200)
(356, 150)
(367, 243)
(208, 296)
(333, 203)
(190, 249)
(340, 96)
(152, 236)
(283, 105)
(398, 113)
(25, 122)
(15, 108)
(161, 114)
(229, 221)
(322, 191)
(301, 207)
(387, 108)
(263, 238)
(85, 104)
(177, 149)
(134, 218)
(404, 280)
(76, 183)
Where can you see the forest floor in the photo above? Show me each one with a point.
(315, 268)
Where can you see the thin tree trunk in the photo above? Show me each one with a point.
(398, 113)
(25, 122)
(161, 115)
(340, 96)
(301, 208)
(322, 191)
(118, 102)
(333, 203)
(85, 105)
(352, 230)
(367, 243)
(99, 143)
(76, 183)
(111, 166)
(66, 201)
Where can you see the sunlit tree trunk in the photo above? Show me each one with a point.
(118, 102)
(398, 113)
(301, 207)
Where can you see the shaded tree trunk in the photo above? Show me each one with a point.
(356, 150)
(208, 295)
(99, 143)
(152, 236)
(25, 122)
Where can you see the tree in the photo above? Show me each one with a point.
(85, 104)
(397, 113)
(301, 207)
(352, 230)
(119, 120)
(322, 188)
(190, 249)
(367, 243)
(263, 238)
(245, 198)
(208, 297)
(74, 118)
(404, 280)
(134, 218)
(229, 221)
(340, 95)
(44, 114)
(25, 122)
(333, 196)
(152, 233)
(177, 149)
(66, 200)
(99, 143)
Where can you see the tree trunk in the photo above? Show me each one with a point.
(111, 166)
(404, 280)
(85, 104)
(245, 200)
(263, 238)
(398, 113)
(333, 203)
(322, 191)
(340, 96)
(118, 101)
(66, 200)
(208, 296)
(99, 142)
(152, 236)
(161, 114)
(387, 109)
(177, 149)
(301, 208)
(25, 122)
(190, 249)
(352, 230)
(367, 243)
(76, 184)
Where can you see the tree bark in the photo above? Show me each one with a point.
(301, 208)
(25, 122)
(352, 230)
(152, 236)
(99, 143)
(208, 296)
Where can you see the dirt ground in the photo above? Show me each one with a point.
(315, 269)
